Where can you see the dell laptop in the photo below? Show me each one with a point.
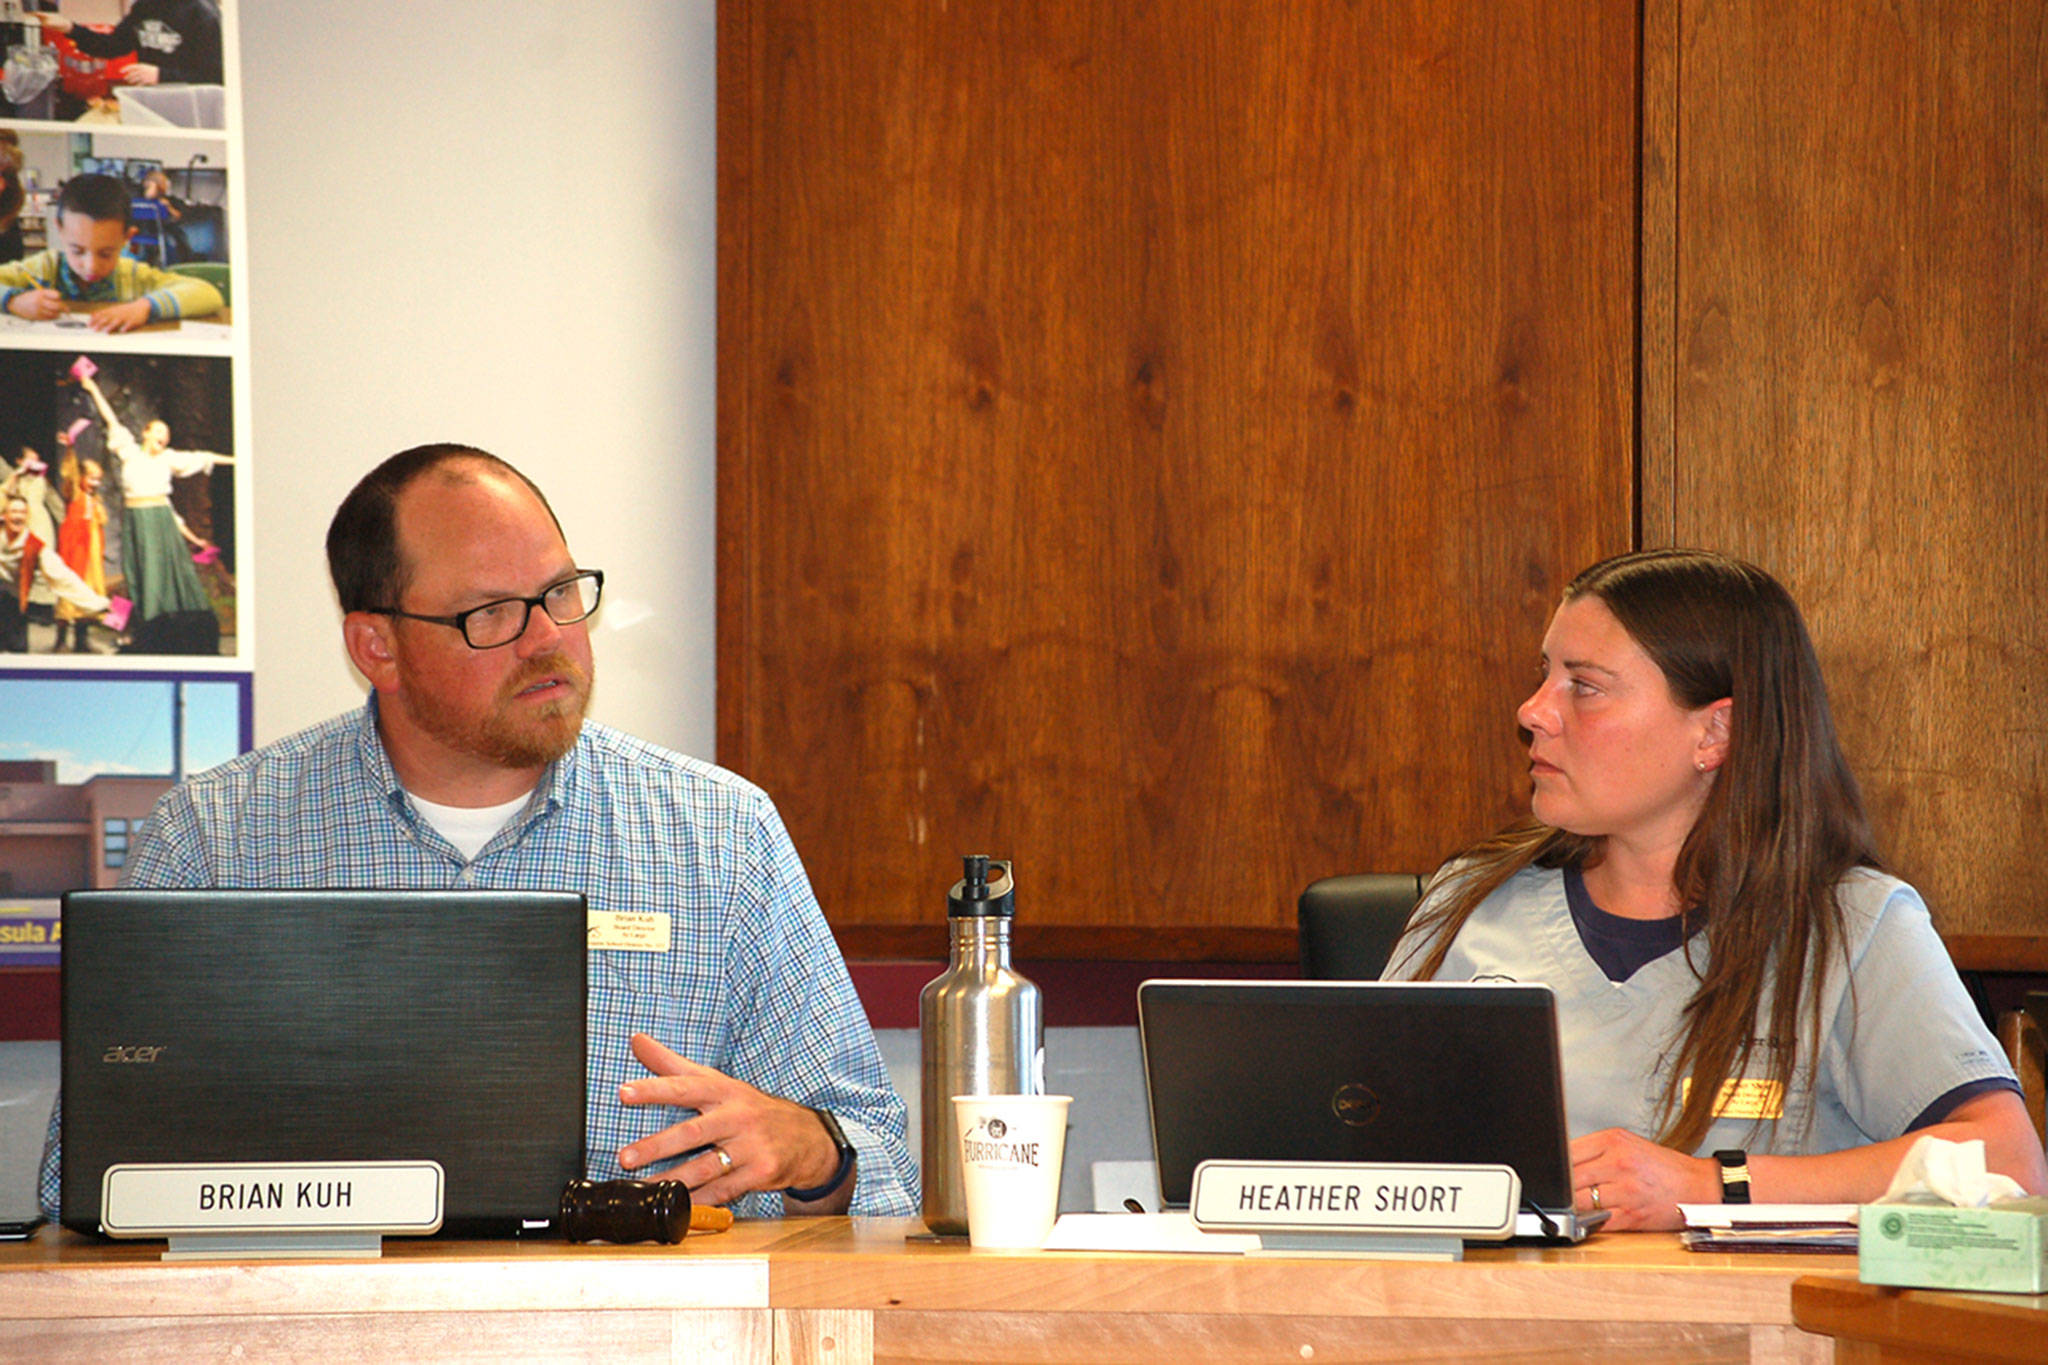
(1426, 1072)
(244, 1026)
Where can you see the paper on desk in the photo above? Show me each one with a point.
(1144, 1232)
(1769, 1227)
(1776, 1215)
(1822, 1237)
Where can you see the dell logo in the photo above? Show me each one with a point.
(132, 1054)
(1354, 1105)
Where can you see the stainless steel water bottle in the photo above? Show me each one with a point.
(983, 1030)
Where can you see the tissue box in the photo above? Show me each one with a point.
(2002, 1248)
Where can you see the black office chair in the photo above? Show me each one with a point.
(1349, 924)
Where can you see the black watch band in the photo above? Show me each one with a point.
(1734, 1176)
(839, 1174)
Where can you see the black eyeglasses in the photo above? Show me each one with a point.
(499, 623)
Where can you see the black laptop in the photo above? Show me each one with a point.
(238, 1026)
(1359, 1071)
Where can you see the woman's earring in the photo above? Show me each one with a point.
(1700, 764)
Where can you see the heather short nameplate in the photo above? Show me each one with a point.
(1355, 1208)
(272, 1208)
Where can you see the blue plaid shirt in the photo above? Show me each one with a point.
(752, 984)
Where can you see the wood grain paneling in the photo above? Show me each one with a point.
(1657, 272)
(1152, 436)
(1862, 391)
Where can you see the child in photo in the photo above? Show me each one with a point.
(169, 42)
(26, 563)
(30, 477)
(81, 543)
(89, 265)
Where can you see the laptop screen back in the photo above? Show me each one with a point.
(1355, 1071)
(237, 1026)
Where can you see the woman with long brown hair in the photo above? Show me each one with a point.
(1749, 1007)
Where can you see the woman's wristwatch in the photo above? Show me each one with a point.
(839, 1174)
(1734, 1176)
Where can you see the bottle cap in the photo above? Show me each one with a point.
(984, 891)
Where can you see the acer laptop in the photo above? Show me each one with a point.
(1360, 1071)
(240, 1026)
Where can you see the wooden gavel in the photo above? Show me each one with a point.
(635, 1211)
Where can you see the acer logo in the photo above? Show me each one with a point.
(132, 1054)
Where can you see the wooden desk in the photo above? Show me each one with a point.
(1872, 1323)
(852, 1291)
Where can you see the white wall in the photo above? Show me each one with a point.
(487, 221)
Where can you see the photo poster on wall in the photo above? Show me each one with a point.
(83, 758)
(126, 460)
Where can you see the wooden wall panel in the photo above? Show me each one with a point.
(1152, 437)
(1862, 392)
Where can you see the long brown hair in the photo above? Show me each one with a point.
(1782, 824)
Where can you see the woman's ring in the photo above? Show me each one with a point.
(725, 1164)
(1596, 1190)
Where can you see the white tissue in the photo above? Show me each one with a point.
(1937, 1171)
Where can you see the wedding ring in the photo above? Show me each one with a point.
(1596, 1192)
(725, 1164)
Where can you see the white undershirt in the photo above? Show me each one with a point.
(469, 828)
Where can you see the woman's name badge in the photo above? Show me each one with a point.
(629, 931)
(1749, 1097)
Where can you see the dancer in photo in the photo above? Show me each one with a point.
(81, 542)
(30, 477)
(172, 613)
(26, 562)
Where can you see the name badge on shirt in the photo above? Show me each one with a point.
(1749, 1097)
(629, 931)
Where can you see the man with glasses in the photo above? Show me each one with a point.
(472, 766)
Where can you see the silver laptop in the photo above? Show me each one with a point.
(226, 1026)
(1360, 1071)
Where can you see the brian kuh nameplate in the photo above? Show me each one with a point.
(1459, 1201)
(376, 1198)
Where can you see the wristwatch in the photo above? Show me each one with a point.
(839, 1174)
(1734, 1176)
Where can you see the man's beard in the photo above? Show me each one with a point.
(532, 737)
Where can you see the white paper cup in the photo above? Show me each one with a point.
(1010, 1149)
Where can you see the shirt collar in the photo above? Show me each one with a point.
(377, 763)
(74, 287)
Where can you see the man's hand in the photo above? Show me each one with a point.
(1638, 1182)
(37, 305)
(771, 1143)
(141, 73)
(121, 317)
